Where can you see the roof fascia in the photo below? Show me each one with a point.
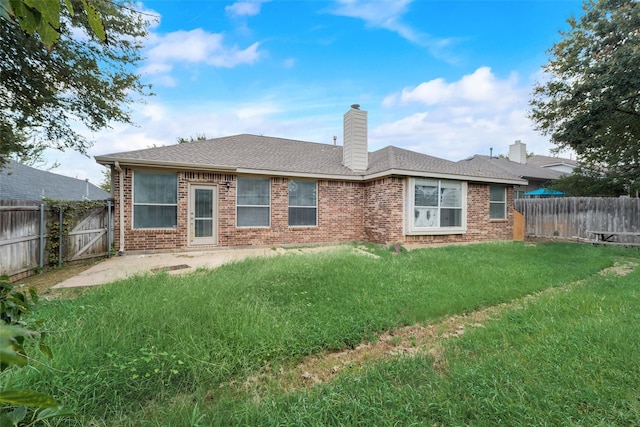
(401, 172)
(108, 161)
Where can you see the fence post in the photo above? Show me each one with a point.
(60, 240)
(42, 230)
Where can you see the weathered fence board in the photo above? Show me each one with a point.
(88, 238)
(19, 236)
(570, 217)
(23, 236)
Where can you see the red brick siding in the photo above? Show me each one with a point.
(384, 210)
(340, 207)
(347, 211)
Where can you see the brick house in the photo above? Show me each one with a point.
(246, 190)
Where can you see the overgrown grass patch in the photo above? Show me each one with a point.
(146, 350)
(567, 358)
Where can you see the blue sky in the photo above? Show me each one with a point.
(445, 78)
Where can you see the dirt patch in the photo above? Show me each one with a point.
(620, 268)
(170, 268)
(407, 341)
(43, 282)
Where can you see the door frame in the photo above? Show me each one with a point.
(199, 241)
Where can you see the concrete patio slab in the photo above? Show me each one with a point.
(122, 267)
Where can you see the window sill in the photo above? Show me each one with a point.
(156, 229)
(498, 220)
(439, 232)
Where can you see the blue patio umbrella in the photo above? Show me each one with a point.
(544, 192)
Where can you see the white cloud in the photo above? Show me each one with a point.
(480, 87)
(196, 46)
(455, 120)
(387, 14)
(245, 8)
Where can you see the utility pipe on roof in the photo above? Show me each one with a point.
(117, 167)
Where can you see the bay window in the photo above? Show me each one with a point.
(436, 206)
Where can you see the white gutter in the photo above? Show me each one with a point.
(121, 197)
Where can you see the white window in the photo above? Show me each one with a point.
(498, 202)
(436, 206)
(303, 203)
(253, 202)
(155, 199)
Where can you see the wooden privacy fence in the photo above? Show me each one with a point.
(571, 217)
(36, 234)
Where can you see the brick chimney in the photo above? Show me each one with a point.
(355, 150)
(518, 152)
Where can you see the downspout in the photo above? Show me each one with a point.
(121, 203)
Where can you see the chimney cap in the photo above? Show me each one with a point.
(355, 106)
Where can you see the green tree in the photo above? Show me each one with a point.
(587, 183)
(106, 180)
(43, 17)
(199, 137)
(83, 78)
(590, 101)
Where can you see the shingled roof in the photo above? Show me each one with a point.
(547, 161)
(525, 171)
(21, 182)
(254, 154)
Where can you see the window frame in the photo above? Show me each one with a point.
(268, 180)
(412, 229)
(498, 202)
(134, 204)
(290, 206)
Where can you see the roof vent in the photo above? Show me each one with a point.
(355, 106)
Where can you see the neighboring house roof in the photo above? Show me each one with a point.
(549, 161)
(21, 182)
(526, 171)
(254, 154)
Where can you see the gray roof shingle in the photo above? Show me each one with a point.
(546, 161)
(525, 171)
(262, 154)
(20, 182)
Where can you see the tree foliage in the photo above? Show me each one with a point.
(591, 100)
(45, 95)
(588, 183)
(198, 137)
(43, 17)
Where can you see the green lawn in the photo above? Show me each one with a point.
(211, 348)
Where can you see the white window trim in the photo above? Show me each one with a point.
(504, 217)
(253, 206)
(420, 231)
(134, 204)
(308, 207)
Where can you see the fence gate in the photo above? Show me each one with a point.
(518, 226)
(90, 237)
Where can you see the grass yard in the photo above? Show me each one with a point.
(439, 336)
